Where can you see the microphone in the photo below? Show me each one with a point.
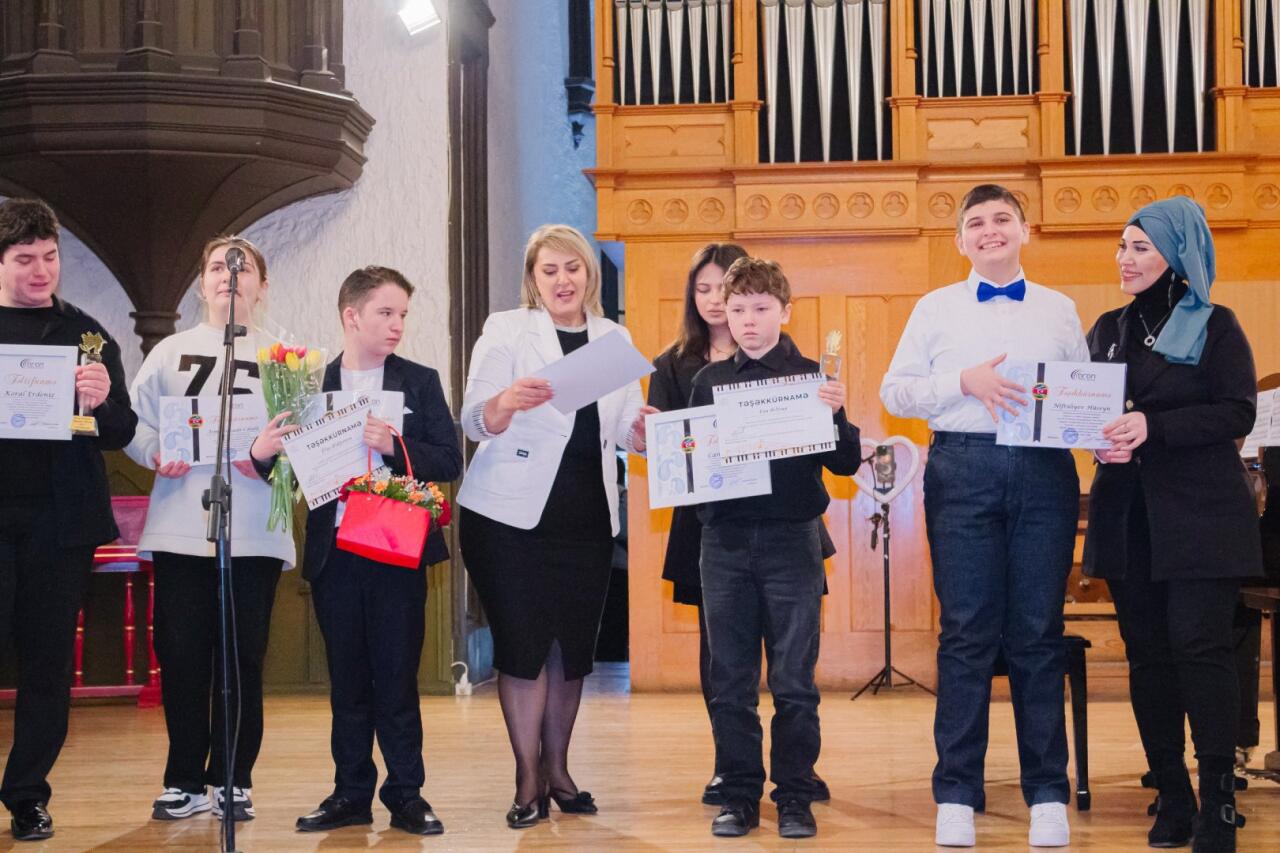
(885, 466)
(235, 259)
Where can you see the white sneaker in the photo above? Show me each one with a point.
(176, 804)
(955, 826)
(242, 806)
(1049, 827)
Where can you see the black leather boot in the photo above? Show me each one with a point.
(1175, 806)
(1216, 824)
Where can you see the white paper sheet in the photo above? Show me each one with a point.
(588, 373)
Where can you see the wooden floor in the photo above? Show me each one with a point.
(645, 757)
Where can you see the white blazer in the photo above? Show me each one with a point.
(510, 476)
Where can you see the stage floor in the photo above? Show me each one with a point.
(645, 757)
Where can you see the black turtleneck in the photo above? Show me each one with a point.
(1152, 306)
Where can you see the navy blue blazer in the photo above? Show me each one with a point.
(430, 436)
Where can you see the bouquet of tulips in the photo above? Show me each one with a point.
(289, 376)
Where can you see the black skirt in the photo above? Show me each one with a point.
(537, 590)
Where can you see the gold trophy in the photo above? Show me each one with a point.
(91, 344)
(831, 359)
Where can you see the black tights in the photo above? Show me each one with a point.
(540, 713)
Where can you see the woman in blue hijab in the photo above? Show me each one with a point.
(1172, 522)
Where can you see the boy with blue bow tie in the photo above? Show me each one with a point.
(1001, 521)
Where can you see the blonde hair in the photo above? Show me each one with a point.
(561, 238)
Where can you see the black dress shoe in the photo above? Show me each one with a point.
(795, 819)
(523, 817)
(416, 817)
(333, 813)
(712, 795)
(31, 821)
(579, 803)
(736, 818)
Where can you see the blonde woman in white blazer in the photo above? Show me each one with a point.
(540, 509)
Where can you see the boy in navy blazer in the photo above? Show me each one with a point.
(372, 615)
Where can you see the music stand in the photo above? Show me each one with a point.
(885, 467)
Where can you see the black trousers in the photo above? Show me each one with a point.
(42, 587)
(189, 649)
(1178, 639)
(762, 582)
(373, 617)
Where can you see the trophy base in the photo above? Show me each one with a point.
(84, 425)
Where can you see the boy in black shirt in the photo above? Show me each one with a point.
(762, 575)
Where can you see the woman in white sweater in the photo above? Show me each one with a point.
(190, 364)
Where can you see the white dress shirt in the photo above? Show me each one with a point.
(950, 330)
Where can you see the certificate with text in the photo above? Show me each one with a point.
(685, 465)
(37, 391)
(1070, 403)
(387, 406)
(328, 452)
(773, 418)
(189, 427)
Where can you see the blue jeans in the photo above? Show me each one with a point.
(1001, 524)
(762, 580)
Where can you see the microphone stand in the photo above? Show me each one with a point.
(884, 678)
(217, 500)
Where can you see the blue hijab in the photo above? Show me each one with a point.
(1179, 232)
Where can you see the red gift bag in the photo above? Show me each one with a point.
(383, 529)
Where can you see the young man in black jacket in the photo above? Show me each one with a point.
(372, 614)
(762, 575)
(55, 509)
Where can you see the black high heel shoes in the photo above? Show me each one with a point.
(579, 803)
(523, 817)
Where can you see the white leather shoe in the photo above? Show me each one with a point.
(955, 826)
(1049, 827)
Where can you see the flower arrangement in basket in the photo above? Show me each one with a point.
(289, 376)
(388, 516)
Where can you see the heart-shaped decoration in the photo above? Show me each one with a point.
(902, 479)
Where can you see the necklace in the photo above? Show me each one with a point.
(1150, 340)
(724, 352)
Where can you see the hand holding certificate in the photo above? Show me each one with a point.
(1070, 404)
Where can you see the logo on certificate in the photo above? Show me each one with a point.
(688, 444)
(18, 421)
(195, 421)
(1040, 391)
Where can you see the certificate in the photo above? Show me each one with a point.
(685, 466)
(386, 406)
(189, 427)
(328, 452)
(1266, 425)
(1070, 403)
(37, 391)
(773, 418)
(588, 373)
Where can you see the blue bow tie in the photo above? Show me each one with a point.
(1015, 291)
